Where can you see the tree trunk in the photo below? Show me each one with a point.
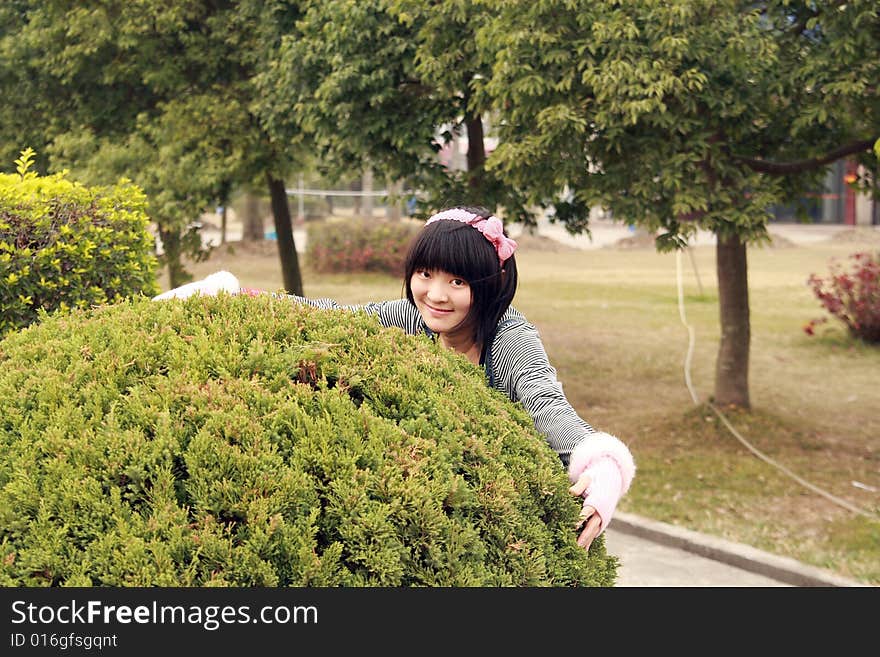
(284, 230)
(476, 154)
(172, 252)
(225, 192)
(367, 186)
(732, 367)
(355, 186)
(392, 209)
(253, 230)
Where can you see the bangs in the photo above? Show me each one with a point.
(454, 247)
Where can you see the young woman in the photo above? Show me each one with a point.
(460, 280)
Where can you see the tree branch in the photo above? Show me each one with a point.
(798, 28)
(799, 166)
(415, 87)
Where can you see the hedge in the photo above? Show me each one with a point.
(238, 441)
(359, 245)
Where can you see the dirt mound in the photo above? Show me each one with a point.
(645, 240)
(241, 247)
(638, 240)
(866, 235)
(780, 241)
(528, 242)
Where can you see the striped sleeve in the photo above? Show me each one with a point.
(524, 373)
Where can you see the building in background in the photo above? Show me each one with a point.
(837, 202)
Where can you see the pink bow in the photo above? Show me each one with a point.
(491, 228)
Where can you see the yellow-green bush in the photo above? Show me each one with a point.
(238, 441)
(63, 244)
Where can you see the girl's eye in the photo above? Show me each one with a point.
(422, 273)
(457, 282)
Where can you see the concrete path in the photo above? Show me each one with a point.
(646, 563)
(657, 554)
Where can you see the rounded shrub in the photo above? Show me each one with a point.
(63, 244)
(238, 441)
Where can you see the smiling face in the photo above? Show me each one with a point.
(442, 299)
(452, 246)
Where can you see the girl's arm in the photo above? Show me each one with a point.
(399, 312)
(525, 373)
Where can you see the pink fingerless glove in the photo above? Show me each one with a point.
(209, 286)
(611, 468)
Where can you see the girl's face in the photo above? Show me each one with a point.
(442, 299)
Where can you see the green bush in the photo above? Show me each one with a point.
(238, 441)
(66, 245)
(356, 245)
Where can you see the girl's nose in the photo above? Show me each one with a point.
(436, 292)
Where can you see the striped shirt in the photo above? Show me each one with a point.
(516, 364)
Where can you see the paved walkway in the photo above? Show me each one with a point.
(657, 554)
(647, 563)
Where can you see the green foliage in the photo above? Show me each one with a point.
(238, 441)
(356, 245)
(679, 116)
(386, 85)
(66, 245)
(666, 113)
(160, 93)
(24, 163)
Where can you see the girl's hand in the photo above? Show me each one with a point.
(590, 524)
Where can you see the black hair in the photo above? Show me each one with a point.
(462, 250)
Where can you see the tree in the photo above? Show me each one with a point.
(161, 92)
(383, 85)
(684, 115)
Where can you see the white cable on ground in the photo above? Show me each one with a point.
(690, 329)
(731, 428)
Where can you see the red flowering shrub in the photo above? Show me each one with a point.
(851, 296)
(359, 245)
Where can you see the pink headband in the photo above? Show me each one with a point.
(491, 227)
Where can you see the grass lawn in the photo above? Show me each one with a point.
(611, 325)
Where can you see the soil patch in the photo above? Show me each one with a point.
(645, 240)
(528, 242)
(858, 235)
(241, 247)
(780, 242)
(638, 240)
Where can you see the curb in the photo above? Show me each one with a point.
(782, 569)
